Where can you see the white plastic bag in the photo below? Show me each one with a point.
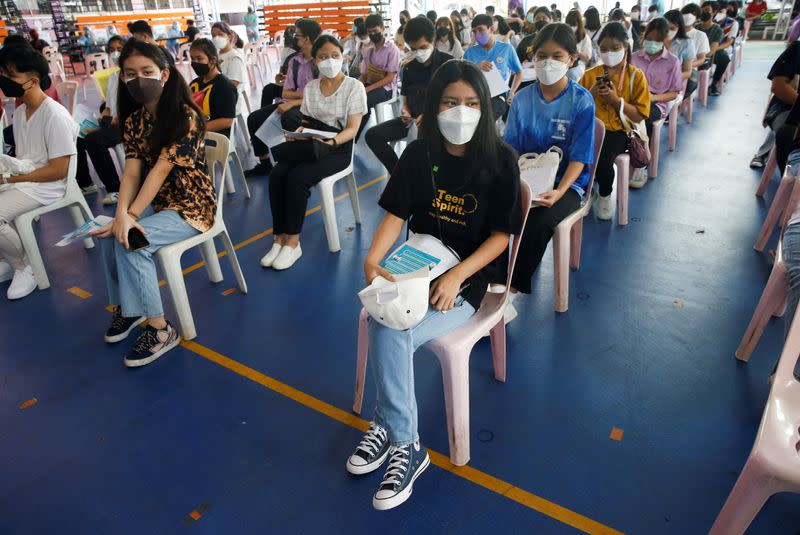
(539, 170)
(400, 304)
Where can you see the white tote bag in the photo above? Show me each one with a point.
(400, 304)
(539, 170)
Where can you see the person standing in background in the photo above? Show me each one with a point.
(251, 25)
(191, 30)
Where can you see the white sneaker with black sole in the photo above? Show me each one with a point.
(151, 344)
(370, 453)
(406, 463)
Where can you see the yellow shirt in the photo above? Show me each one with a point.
(639, 98)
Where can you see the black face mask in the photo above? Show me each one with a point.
(11, 88)
(705, 16)
(442, 31)
(376, 37)
(201, 68)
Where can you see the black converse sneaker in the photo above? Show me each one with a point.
(121, 326)
(371, 452)
(405, 465)
(152, 343)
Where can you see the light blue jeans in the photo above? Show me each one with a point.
(131, 276)
(391, 353)
(791, 253)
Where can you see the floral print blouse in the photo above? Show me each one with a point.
(188, 189)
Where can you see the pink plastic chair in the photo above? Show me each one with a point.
(453, 350)
(777, 208)
(655, 139)
(569, 233)
(703, 79)
(769, 172)
(774, 464)
(674, 113)
(687, 107)
(623, 165)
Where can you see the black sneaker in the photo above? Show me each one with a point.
(262, 168)
(121, 327)
(371, 452)
(757, 162)
(152, 343)
(713, 91)
(405, 466)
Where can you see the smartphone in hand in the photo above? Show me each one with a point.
(136, 239)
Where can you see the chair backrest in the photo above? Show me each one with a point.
(49, 52)
(599, 137)
(183, 52)
(69, 91)
(217, 147)
(525, 200)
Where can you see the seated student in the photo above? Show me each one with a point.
(591, 21)
(525, 47)
(379, 67)
(488, 53)
(629, 87)
(516, 31)
(416, 76)
(637, 24)
(37, 43)
(301, 70)
(618, 15)
(166, 194)
(459, 156)
(97, 143)
(212, 92)
(679, 44)
(350, 43)
(691, 13)
(662, 70)
(446, 40)
(554, 111)
(716, 37)
(503, 31)
(356, 56)
(273, 91)
(584, 43)
(231, 59)
(45, 134)
(337, 101)
(462, 32)
(142, 31)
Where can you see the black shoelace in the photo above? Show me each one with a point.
(147, 340)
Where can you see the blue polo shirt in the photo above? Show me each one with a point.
(501, 54)
(567, 122)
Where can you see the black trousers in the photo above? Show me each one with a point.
(784, 136)
(379, 136)
(374, 97)
(691, 85)
(8, 139)
(290, 120)
(270, 93)
(655, 115)
(614, 144)
(539, 230)
(290, 187)
(721, 60)
(97, 145)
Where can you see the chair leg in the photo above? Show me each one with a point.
(769, 172)
(177, 288)
(209, 253)
(28, 237)
(353, 189)
(575, 239)
(748, 496)
(329, 216)
(775, 210)
(237, 269)
(672, 138)
(561, 247)
(623, 181)
(361, 361)
(80, 214)
(770, 302)
(455, 376)
(229, 187)
(497, 336)
(655, 150)
(237, 163)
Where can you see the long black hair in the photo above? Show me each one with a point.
(483, 150)
(591, 19)
(658, 25)
(574, 18)
(616, 30)
(172, 122)
(675, 17)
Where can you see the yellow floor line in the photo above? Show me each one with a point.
(79, 292)
(523, 497)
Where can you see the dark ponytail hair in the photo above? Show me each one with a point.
(483, 150)
(172, 121)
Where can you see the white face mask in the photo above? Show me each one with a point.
(689, 19)
(422, 54)
(719, 17)
(634, 15)
(612, 59)
(458, 124)
(330, 67)
(671, 34)
(114, 56)
(364, 42)
(550, 71)
(220, 42)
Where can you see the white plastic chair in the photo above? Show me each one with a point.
(253, 63)
(325, 188)
(68, 91)
(454, 349)
(74, 201)
(773, 465)
(234, 156)
(93, 62)
(56, 62)
(170, 256)
(385, 110)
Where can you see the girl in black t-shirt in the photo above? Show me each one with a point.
(212, 92)
(458, 183)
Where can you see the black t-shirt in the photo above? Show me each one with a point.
(217, 98)
(191, 32)
(415, 80)
(787, 65)
(467, 211)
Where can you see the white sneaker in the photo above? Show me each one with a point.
(287, 257)
(270, 257)
(604, 209)
(23, 284)
(89, 190)
(510, 313)
(6, 272)
(639, 178)
(111, 198)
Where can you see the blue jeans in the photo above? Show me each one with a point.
(131, 276)
(392, 357)
(791, 254)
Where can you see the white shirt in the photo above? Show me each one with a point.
(233, 67)
(49, 133)
(700, 40)
(456, 51)
(111, 93)
(348, 99)
(585, 46)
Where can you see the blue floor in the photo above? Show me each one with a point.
(657, 310)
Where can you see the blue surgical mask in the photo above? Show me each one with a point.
(653, 47)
